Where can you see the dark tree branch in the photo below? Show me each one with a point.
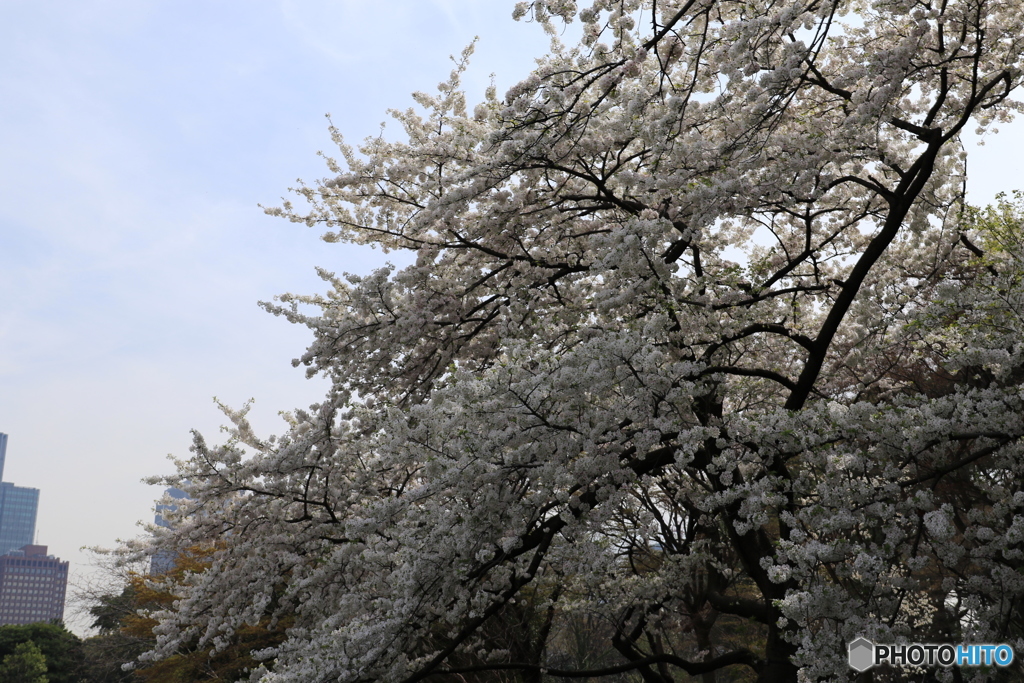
(741, 607)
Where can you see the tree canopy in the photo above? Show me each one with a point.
(25, 665)
(701, 347)
(127, 630)
(54, 647)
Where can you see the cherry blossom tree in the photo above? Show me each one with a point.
(699, 332)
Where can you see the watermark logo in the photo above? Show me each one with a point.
(865, 654)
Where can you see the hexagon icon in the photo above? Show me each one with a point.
(862, 654)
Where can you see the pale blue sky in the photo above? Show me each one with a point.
(136, 139)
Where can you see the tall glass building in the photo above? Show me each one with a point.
(18, 506)
(164, 561)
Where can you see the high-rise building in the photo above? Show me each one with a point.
(163, 561)
(18, 506)
(32, 586)
(32, 583)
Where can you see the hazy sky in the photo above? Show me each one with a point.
(136, 140)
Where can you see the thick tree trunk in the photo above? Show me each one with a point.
(778, 671)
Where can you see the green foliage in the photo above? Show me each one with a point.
(110, 610)
(25, 665)
(61, 649)
(999, 226)
(104, 655)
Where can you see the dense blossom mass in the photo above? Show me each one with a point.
(702, 356)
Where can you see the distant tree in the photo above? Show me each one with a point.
(25, 665)
(105, 654)
(126, 631)
(700, 356)
(61, 649)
